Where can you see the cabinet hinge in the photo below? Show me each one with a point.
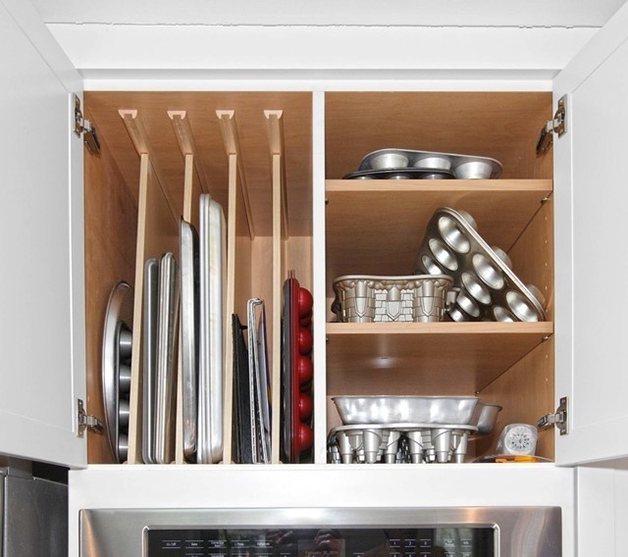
(557, 125)
(559, 419)
(84, 421)
(83, 127)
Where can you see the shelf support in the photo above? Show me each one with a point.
(187, 145)
(137, 133)
(231, 141)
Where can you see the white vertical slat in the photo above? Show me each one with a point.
(319, 277)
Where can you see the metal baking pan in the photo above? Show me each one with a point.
(165, 361)
(405, 409)
(400, 174)
(151, 304)
(212, 249)
(189, 334)
(258, 381)
(465, 167)
(489, 289)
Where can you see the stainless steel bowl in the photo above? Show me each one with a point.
(485, 416)
(405, 409)
(386, 161)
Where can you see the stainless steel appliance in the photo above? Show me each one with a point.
(33, 516)
(333, 532)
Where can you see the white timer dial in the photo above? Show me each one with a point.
(518, 439)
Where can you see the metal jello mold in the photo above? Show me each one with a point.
(489, 289)
(413, 298)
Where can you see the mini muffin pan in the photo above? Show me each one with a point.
(398, 443)
(489, 289)
(463, 167)
(367, 298)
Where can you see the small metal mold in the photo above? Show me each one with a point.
(503, 256)
(123, 446)
(474, 170)
(476, 288)
(488, 272)
(443, 255)
(453, 235)
(433, 162)
(468, 304)
(502, 314)
(125, 379)
(521, 307)
(386, 161)
(537, 294)
(431, 265)
(123, 413)
(399, 176)
(457, 314)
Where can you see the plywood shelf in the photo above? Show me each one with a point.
(425, 358)
(375, 227)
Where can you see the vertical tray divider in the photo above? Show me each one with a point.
(240, 237)
(194, 183)
(280, 235)
(157, 233)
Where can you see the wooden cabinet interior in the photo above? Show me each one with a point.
(175, 145)
(371, 227)
(375, 227)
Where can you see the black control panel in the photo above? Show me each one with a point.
(455, 541)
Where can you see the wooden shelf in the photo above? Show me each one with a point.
(375, 227)
(425, 358)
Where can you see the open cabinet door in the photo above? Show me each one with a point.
(42, 370)
(591, 190)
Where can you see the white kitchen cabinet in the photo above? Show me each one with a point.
(41, 201)
(43, 336)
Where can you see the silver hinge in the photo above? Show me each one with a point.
(557, 125)
(559, 419)
(83, 127)
(86, 422)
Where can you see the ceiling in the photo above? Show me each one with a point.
(454, 13)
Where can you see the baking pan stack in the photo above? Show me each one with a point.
(252, 426)
(200, 281)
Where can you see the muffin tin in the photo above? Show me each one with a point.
(116, 367)
(296, 382)
(385, 163)
(489, 289)
(368, 298)
(415, 443)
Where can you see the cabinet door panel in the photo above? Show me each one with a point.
(591, 192)
(41, 283)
